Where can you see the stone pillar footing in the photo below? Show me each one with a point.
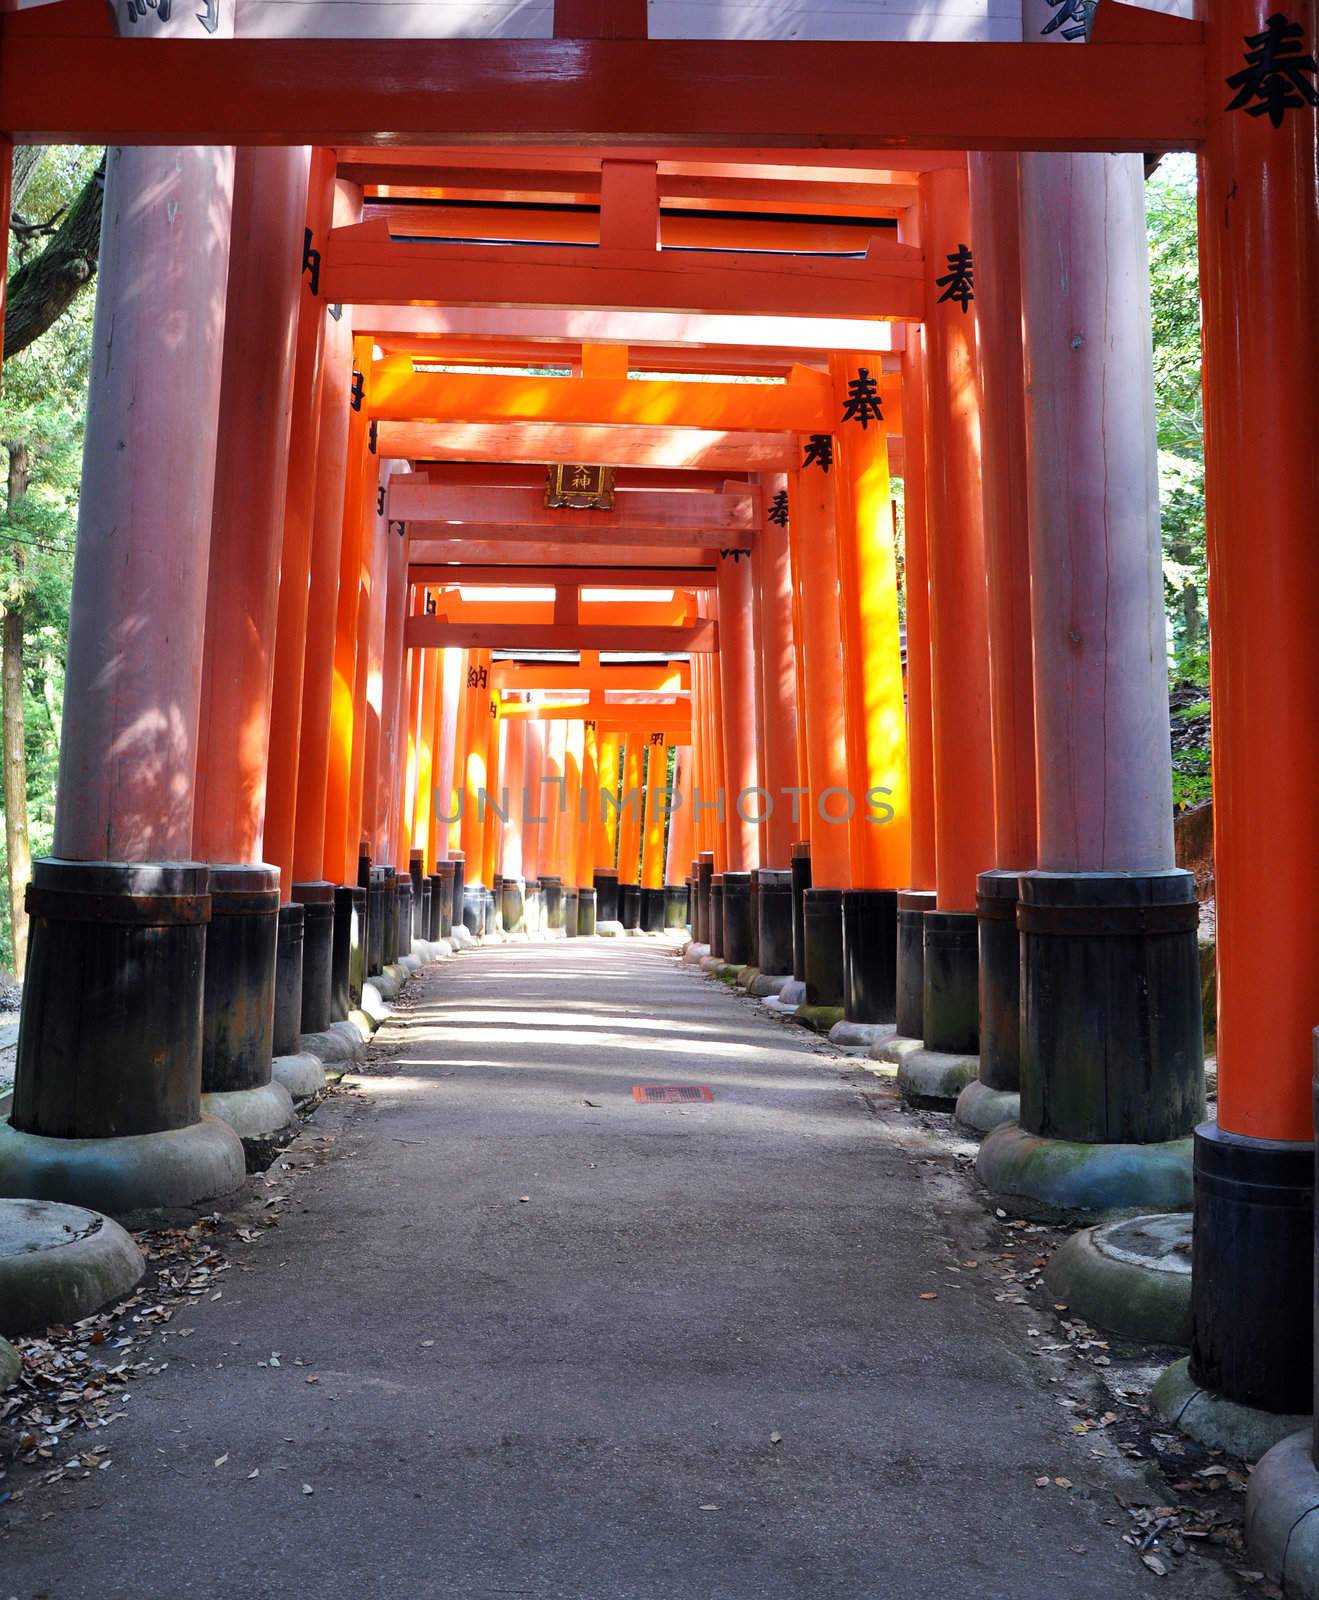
(606, 895)
(60, 1263)
(1245, 1431)
(473, 915)
(551, 893)
(981, 1109)
(1282, 1516)
(800, 871)
(629, 906)
(652, 910)
(1062, 1180)
(341, 954)
(1131, 1277)
(569, 912)
(513, 904)
(774, 919)
(585, 912)
(703, 871)
(303, 1075)
(676, 911)
(860, 1035)
(870, 956)
(910, 993)
(934, 1079)
(262, 1118)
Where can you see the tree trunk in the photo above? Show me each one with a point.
(27, 158)
(17, 849)
(44, 287)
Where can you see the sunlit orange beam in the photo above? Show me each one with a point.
(435, 507)
(605, 446)
(430, 632)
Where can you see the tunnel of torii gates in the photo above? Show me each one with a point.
(321, 602)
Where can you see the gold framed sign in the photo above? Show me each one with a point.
(581, 487)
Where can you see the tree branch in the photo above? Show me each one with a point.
(45, 286)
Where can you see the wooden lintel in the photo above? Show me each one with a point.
(431, 633)
(446, 511)
(598, 444)
(490, 576)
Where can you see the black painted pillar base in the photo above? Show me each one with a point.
(1111, 1043)
(704, 869)
(716, 915)
(389, 902)
(534, 908)
(1252, 1270)
(677, 904)
(459, 866)
(490, 918)
(423, 912)
(629, 906)
(403, 893)
(568, 905)
(497, 897)
(551, 893)
(238, 1005)
(442, 900)
(739, 926)
(513, 904)
(1000, 980)
(823, 920)
(375, 921)
(606, 895)
(110, 1046)
(652, 910)
(910, 998)
(417, 872)
(801, 882)
(474, 909)
(357, 952)
(690, 885)
(288, 981)
(585, 912)
(774, 915)
(341, 953)
(317, 902)
(870, 955)
(951, 1013)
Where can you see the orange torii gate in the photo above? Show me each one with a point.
(1097, 866)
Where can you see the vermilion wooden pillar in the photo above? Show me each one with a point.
(652, 840)
(346, 731)
(743, 803)
(391, 767)
(570, 823)
(532, 803)
(551, 800)
(811, 522)
(513, 886)
(919, 896)
(107, 1099)
(311, 838)
(680, 848)
(1111, 1063)
(587, 824)
(1259, 272)
(996, 222)
(428, 715)
(238, 1019)
(959, 634)
(295, 559)
(605, 831)
(880, 831)
(475, 777)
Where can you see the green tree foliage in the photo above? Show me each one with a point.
(42, 407)
(1175, 299)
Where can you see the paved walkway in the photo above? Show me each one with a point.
(574, 1347)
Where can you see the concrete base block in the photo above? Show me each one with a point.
(124, 1177)
(1282, 1516)
(330, 1046)
(365, 1022)
(896, 1048)
(727, 972)
(747, 977)
(399, 975)
(765, 984)
(373, 1003)
(820, 1019)
(411, 963)
(10, 1364)
(695, 953)
(1132, 1277)
(860, 1035)
(60, 1263)
(793, 993)
(933, 1079)
(1057, 1181)
(304, 1076)
(711, 963)
(981, 1109)
(462, 937)
(1216, 1423)
(610, 929)
(261, 1118)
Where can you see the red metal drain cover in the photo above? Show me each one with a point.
(667, 1094)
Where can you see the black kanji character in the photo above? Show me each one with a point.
(1073, 19)
(778, 509)
(819, 452)
(357, 392)
(959, 279)
(863, 404)
(1273, 74)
